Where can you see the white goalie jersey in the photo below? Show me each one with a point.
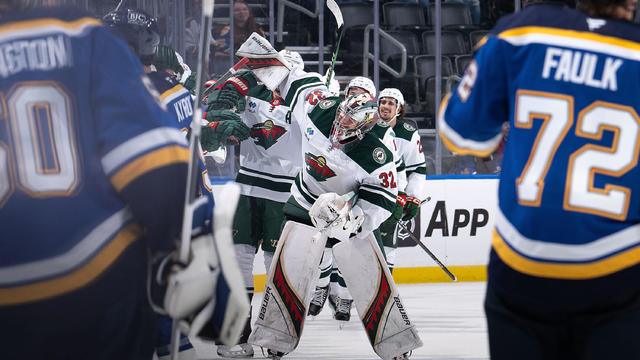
(270, 158)
(368, 169)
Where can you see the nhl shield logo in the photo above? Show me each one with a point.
(317, 167)
(266, 134)
(379, 155)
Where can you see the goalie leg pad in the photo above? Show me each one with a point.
(293, 274)
(376, 297)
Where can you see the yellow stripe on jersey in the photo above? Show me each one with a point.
(20, 26)
(76, 279)
(171, 91)
(151, 161)
(580, 40)
(567, 271)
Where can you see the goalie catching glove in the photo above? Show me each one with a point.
(330, 213)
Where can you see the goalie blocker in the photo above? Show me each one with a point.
(289, 291)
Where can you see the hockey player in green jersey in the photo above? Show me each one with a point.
(391, 108)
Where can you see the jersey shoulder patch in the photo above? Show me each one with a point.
(371, 153)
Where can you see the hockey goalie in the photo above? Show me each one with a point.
(345, 189)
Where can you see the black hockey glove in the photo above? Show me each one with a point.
(166, 59)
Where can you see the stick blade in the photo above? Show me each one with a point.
(335, 10)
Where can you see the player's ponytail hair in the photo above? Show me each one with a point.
(401, 112)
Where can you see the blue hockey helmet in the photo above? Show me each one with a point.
(138, 29)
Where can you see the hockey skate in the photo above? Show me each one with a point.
(239, 351)
(242, 349)
(343, 309)
(319, 298)
(274, 355)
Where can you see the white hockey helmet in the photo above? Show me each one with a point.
(363, 83)
(394, 94)
(355, 117)
(293, 58)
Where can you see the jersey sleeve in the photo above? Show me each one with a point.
(415, 166)
(142, 153)
(377, 196)
(471, 117)
(389, 140)
(302, 92)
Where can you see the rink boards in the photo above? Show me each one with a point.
(455, 225)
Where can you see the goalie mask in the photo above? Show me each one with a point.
(362, 82)
(138, 29)
(355, 117)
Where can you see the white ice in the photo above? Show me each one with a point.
(449, 318)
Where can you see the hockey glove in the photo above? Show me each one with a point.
(190, 83)
(224, 99)
(166, 59)
(180, 290)
(325, 211)
(242, 82)
(411, 208)
(225, 132)
(396, 214)
(350, 227)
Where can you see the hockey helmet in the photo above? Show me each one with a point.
(355, 117)
(138, 29)
(293, 58)
(363, 83)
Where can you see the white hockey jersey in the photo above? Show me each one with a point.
(270, 158)
(368, 169)
(410, 150)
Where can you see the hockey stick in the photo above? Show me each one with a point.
(424, 247)
(194, 141)
(337, 14)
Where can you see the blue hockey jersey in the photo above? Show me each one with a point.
(87, 152)
(567, 85)
(179, 103)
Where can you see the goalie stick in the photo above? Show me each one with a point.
(194, 140)
(337, 14)
(426, 249)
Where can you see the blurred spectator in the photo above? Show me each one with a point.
(243, 25)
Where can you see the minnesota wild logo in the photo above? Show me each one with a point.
(317, 167)
(266, 134)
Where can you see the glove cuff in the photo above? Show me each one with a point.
(413, 199)
(401, 199)
(238, 84)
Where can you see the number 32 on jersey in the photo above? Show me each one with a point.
(580, 195)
